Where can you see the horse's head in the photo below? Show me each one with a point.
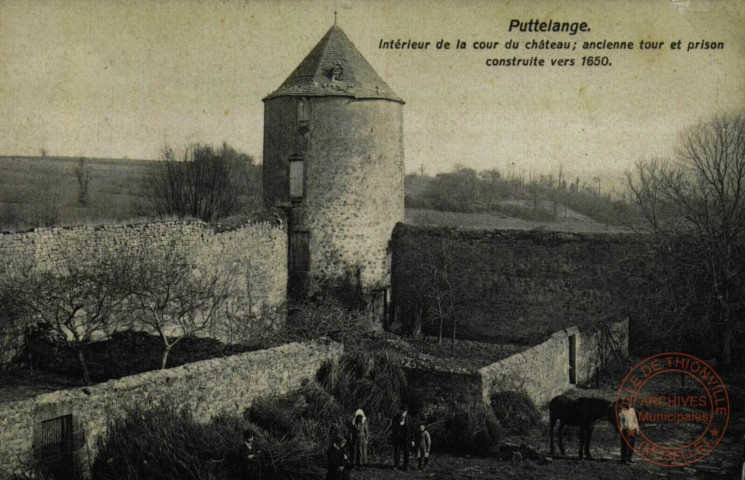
(598, 409)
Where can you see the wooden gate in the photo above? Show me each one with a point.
(56, 448)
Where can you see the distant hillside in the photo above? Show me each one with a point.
(494, 220)
(486, 199)
(38, 191)
(35, 190)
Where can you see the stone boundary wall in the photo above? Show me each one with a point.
(257, 253)
(518, 287)
(541, 371)
(207, 388)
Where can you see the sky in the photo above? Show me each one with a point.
(122, 79)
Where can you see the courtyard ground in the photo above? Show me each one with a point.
(725, 462)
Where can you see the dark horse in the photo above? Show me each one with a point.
(582, 413)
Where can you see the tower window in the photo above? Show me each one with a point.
(337, 73)
(303, 115)
(297, 180)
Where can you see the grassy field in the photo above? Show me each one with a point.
(35, 191)
(44, 191)
(492, 220)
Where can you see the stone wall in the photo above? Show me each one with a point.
(207, 388)
(540, 372)
(256, 252)
(443, 384)
(543, 371)
(518, 286)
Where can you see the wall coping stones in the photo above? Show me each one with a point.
(404, 230)
(154, 377)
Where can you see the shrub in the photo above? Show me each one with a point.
(514, 410)
(168, 443)
(328, 316)
(294, 430)
(462, 427)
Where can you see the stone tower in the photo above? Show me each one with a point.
(334, 157)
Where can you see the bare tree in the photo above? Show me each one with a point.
(83, 176)
(172, 299)
(77, 299)
(444, 273)
(202, 182)
(695, 209)
(14, 318)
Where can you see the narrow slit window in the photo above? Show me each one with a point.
(302, 115)
(297, 181)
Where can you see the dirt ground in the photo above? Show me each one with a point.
(725, 462)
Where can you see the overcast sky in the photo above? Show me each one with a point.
(120, 79)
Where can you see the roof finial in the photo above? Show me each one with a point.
(334, 17)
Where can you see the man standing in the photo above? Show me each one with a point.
(401, 432)
(629, 426)
(338, 460)
(252, 456)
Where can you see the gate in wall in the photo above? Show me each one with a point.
(55, 453)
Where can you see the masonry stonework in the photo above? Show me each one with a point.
(257, 253)
(518, 287)
(540, 372)
(336, 116)
(207, 388)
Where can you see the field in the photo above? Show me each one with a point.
(573, 222)
(44, 191)
(37, 191)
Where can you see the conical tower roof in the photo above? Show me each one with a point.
(335, 68)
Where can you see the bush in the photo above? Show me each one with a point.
(328, 316)
(372, 381)
(294, 431)
(462, 427)
(514, 410)
(168, 443)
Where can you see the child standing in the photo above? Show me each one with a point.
(423, 444)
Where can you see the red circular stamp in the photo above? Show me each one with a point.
(672, 409)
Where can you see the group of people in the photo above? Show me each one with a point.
(341, 461)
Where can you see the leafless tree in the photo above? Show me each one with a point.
(78, 298)
(444, 273)
(14, 319)
(83, 176)
(694, 207)
(202, 182)
(171, 298)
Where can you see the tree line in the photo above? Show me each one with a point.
(693, 207)
(490, 190)
(201, 181)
